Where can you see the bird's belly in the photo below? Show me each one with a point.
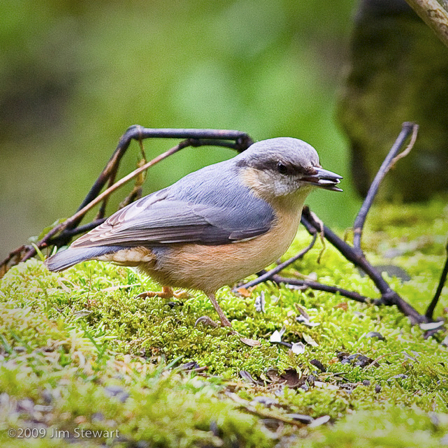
(208, 268)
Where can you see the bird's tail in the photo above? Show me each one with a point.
(69, 257)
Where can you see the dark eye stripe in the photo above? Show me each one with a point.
(278, 166)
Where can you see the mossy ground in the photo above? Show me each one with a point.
(79, 351)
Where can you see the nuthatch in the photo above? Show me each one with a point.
(213, 227)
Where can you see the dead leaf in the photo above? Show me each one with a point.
(273, 374)
(289, 377)
(245, 375)
(318, 364)
(250, 342)
(375, 334)
(207, 321)
(431, 325)
(302, 311)
(303, 320)
(342, 306)
(309, 340)
(302, 418)
(292, 378)
(244, 292)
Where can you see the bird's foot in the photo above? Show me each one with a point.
(166, 293)
(179, 294)
(206, 320)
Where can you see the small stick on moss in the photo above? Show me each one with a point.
(375, 361)
(327, 288)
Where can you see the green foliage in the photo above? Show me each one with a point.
(68, 339)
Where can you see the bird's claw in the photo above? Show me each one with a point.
(166, 293)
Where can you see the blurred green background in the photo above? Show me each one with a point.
(75, 74)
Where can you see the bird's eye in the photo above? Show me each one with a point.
(281, 168)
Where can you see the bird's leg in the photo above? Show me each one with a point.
(166, 293)
(224, 321)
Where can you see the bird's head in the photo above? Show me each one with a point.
(284, 166)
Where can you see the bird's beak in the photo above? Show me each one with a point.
(323, 179)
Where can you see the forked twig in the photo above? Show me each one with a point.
(62, 233)
(76, 218)
(388, 295)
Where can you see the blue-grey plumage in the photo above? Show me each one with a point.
(67, 258)
(214, 226)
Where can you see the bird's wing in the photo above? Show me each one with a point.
(160, 219)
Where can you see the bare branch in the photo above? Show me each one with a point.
(80, 213)
(389, 161)
(388, 295)
(434, 15)
(327, 288)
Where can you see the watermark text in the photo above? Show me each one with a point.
(55, 433)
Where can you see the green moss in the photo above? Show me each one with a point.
(65, 338)
(392, 427)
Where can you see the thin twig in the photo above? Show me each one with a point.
(80, 213)
(68, 234)
(375, 361)
(268, 275)
(321, 235)
(136, 192)
(408, 148)
(102, 211)
(16, 253)
(432, 306)
(389, 161)
(327, 288)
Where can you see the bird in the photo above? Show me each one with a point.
(213, 227)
